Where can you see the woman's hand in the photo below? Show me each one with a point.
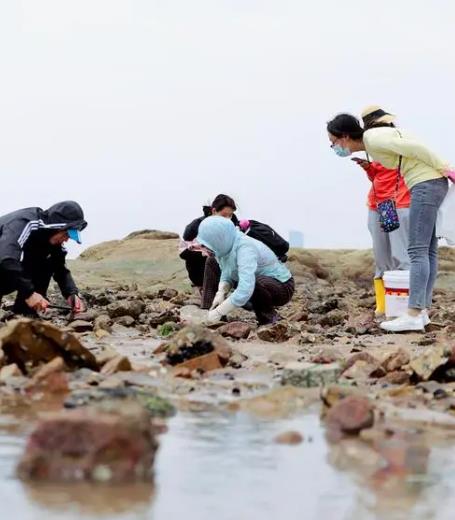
(450, 174)
(361, 162)
(37, 302)
(76, 304)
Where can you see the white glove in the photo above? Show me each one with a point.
(220, 296)
(222, 310)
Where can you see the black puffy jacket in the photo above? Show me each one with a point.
(24, 241)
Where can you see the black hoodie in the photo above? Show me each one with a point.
(24, 241)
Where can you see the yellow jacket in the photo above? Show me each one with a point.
(386, 144)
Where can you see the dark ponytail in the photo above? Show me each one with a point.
(344, 125)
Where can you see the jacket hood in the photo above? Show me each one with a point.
(218, 234)
(64, 215)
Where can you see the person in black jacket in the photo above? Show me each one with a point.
(32, 252)
(203, 271)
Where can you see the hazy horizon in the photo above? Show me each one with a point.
(143, 111)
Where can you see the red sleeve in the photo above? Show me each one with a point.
(374, 169)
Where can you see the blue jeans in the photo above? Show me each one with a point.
(426, 197)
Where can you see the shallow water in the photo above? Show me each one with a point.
(226, 466)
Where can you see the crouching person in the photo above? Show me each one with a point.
(32, 252)
(248, 266)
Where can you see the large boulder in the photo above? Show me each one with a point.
(28, 343)
(91, 445)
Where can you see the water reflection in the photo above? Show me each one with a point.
(226, 466)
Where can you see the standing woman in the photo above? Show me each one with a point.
(425, 175)
(390, 250)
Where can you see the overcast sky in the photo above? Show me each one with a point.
(143, 110)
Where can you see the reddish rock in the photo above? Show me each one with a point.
(351, 415)
(90, 445)
(50, 378)
(326, 356)
(290, 437)
(203, 363)
(117, 364)
(236, 330)
(361, 356)
(396, 360)
(397, 377)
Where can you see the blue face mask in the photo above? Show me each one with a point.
(341, 151)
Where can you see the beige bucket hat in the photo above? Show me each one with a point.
(375, 114)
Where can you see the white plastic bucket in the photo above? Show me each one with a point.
(396, 285)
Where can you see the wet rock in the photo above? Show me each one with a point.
(332, 394)
(29, 343)
(236, 330)
(425, 365)
(326, 356)
(351, 415)
(299, 316)
(116, 364)
(167, 294)
(308, 339)
(324, 307)
(396, 360)
(159, 318)
(397, 377)
(56, 365)
(126, 308)
(103, 322)
(182, 372)
(196, 341)
(89, 445)
(333, 318)
(278, 403)
(89, 315)
(236, 360)
(309, 375)
(193, 314)
(361, 356)
(276, 333)
(155, 405)
(204, 363)
(125, 321)
(80, 326)
(291, 438)
(362, 370)
(9, 371)
(427, 339)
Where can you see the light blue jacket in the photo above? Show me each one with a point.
(241, 257)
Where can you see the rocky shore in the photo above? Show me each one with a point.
(111, 376)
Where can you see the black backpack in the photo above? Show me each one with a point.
(269, 237)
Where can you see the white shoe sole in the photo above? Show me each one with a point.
(388, 328)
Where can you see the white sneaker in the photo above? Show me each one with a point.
(404, 323)
(425, 317)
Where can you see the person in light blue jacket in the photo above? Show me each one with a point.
(248, 266)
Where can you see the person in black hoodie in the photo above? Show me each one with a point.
(203, 271)
(32, 252)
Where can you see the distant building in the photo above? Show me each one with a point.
(295, 238)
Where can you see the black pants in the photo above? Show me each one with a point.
(195, 266)
(40, 273)
(268, 294)
(203, 272)
(212, 275)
